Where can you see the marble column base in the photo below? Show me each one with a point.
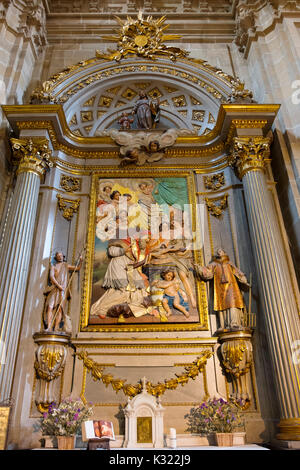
(289, 430)
(295, 445)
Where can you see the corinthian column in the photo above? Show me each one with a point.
(250, 156)
(32, 157)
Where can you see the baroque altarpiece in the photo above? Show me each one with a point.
(142, 186)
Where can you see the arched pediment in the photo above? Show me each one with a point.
(87, 99)
(94, 93)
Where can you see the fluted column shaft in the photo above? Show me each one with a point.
(275, 283)
(15, 253)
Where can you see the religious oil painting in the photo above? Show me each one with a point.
(141, 253)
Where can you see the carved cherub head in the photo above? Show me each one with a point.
(154, 146)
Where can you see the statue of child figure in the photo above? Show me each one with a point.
(125, 122)
(174, 296)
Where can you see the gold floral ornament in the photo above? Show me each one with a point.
(237, 360)
(142, 37)
(67, 206)
(240, 94)
(214, 182)
(216, 209)
(50, 362)
(191, 372)
(70, 183)
(43, 94)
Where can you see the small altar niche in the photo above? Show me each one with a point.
(144, 425)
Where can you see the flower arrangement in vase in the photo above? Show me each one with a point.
(216, 416)
(65, 420)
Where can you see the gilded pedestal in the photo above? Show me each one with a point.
(50, 361)
(237, 358)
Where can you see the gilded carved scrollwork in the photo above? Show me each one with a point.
(68, 207)
(32, 154)
(4, 4)
(131, 390)
(237, 359)
(249, 153)
(216, 206)
(50, 359)
(70, 183)
(142, 37)
(214, 182)
(240, 94)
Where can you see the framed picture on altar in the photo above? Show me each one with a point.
(143, 240)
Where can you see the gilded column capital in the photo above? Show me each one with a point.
(31, 155)
(249, 154)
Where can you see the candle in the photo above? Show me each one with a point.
(173, 433)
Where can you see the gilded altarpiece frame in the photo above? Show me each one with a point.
(129, 181)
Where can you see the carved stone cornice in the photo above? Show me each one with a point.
(4, 4)
(286, 5)
(149, 6)
(249, 23)
(250, 154)
(243, 124)
(86, 150)
(31, 155)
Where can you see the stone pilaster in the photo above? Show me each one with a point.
(250, 156)
(32, 157)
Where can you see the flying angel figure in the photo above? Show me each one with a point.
(144, 147)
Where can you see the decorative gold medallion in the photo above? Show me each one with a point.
(141, 40)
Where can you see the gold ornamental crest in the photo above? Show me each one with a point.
(142, 37)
